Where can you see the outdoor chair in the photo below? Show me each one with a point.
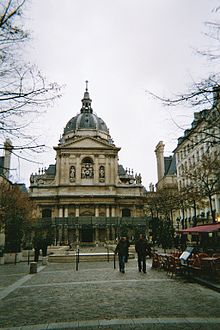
(195, 265)
(174, 266)
(166, 264)
(157, 261)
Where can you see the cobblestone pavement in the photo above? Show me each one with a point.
(99, 297)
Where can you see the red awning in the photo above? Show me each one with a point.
(202, 229)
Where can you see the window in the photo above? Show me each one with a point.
(87, 168)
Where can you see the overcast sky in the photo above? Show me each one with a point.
(123, 48)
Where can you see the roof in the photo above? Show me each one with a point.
(51, 170)
(21, 186)
(202, 229)
(86, 119)
(170, 165)
(121, 170)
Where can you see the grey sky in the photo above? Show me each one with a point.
(123, 47)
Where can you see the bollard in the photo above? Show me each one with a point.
(33, 267)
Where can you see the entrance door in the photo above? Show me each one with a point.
(87, 233)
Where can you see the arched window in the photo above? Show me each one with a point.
(87, 168)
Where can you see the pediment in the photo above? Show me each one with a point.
(87, 143)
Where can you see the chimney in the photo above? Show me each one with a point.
(7, 159)
(160, 160)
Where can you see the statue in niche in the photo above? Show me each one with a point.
(72, 174)
(87, 171)
(101, 173)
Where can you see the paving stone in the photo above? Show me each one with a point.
(99, 297)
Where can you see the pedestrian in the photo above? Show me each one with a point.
(37, 247)
(122, 251)
(142, 248)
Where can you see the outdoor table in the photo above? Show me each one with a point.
(164, 260)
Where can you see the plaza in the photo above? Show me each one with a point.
(97, 296)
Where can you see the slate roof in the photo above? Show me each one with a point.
(170, 165)
(51, 170)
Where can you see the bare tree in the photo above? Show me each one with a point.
(203, 94)
(23, 89)
(204, 179)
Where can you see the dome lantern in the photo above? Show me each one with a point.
(86, 123)
(86, 101)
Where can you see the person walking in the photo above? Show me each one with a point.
(122, 251)
(141, 248)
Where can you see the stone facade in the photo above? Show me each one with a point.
(200, 145)
(87, 195)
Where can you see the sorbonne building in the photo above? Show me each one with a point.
(87, 195)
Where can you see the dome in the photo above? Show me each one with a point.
(86, 122)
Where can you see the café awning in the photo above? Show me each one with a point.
(202, 229)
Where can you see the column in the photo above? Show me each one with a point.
(107, 212)
(107, 170)
(78, 169)
(96, 211)
(77, 211)
(113, 211)
(96, 169)
(159, 151)
(66, 212)
(97, 234)
(60, 212)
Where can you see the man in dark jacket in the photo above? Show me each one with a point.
(142, 247)
(122, 251)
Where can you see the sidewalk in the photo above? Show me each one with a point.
(99, 297)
